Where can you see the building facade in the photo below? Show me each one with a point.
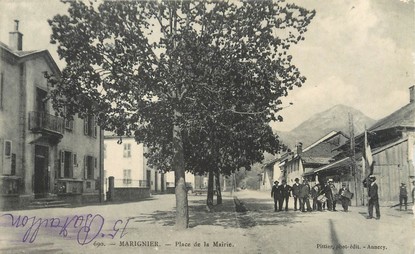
(42, 155)
(125, 162)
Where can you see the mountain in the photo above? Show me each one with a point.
(318, 125)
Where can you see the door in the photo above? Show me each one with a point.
(41, 177)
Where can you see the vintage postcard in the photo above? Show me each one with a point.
(232, 126)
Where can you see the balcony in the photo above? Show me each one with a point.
(49, 126)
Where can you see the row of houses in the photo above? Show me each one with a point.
(335, 156)
(46, 157)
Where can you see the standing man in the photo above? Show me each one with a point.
(373, 197)
(284, 194)
(403, 196)
(315, 192)
(343, 193)
(296, 192)
(305, 196)
(276, 195)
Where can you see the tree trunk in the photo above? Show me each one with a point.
(218, 190)
(182, 211)
(209, 201)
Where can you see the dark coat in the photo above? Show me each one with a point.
(275, 192)
(373, 191)
(284, 190)
(296, 190)
(403, 192)
(305, 190)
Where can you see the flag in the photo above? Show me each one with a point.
(367, 160)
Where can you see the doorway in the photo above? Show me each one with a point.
(41, 176)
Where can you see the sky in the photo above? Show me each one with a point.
(356, 53)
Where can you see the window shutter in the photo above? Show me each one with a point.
(86, 125)
(62, 164)
(95, 167)
(85, 167)
(75, 160)
(94, 125)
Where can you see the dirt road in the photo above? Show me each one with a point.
(148, 227)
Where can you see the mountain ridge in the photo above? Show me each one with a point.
(318, 125)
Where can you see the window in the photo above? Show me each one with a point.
(127, 150)
(1, 90)
(90, 127)
(7, 149)
(127, 176)
(90, 164)
(41, 100)
(68, 161)
(68, 123)
(8, 157)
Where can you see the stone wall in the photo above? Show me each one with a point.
(130, 194)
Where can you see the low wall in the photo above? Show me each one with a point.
(130, 194)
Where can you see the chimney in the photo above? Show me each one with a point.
(16, 37)
(299, 148)
(411, 94)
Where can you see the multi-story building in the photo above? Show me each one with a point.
(42, 155)
(125, 162)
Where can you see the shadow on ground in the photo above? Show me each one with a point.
(259, 212)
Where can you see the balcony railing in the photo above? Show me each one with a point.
(39, 121)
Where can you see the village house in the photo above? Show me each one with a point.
(302, 163)
(392, 143)
(43, 157)
(125, 161)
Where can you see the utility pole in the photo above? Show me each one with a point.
(352, 155)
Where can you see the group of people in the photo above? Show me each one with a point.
(322, 195)
(325, 195)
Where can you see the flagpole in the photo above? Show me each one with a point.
(364, 167)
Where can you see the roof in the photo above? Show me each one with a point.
(326, 137)
(23, 56)
(340, 163)
(316, 160)
(403, 117)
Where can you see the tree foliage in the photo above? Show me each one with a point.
(165, 71)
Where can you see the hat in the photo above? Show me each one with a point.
(403, 183)
(296, 179)
(330, 180)
(344, 184)
(284, 181)
(372, 177)
(276, 181)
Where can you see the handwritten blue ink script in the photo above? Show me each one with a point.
(85, 227)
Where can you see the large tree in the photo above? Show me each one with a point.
(144, 66)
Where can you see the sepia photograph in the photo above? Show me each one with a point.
(211, 126)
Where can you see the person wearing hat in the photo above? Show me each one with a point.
(373, 197)
(343, 198)
(403, 196)
(331, 193)
(295, 190)
(305, 196)
(284, 190)
(275, 193)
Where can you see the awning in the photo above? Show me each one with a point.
(337, 164)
